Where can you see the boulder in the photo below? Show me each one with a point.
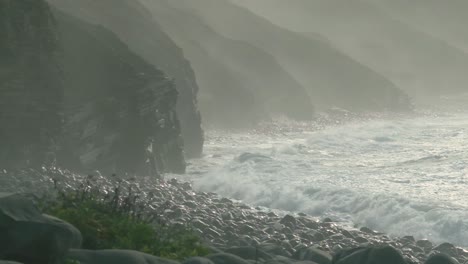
(313, 254)
(251, 253)
(197, 260)
(440, 259)
(115, 256)
(369, 255)
(226, 258)
(448, 249)
(31, 237)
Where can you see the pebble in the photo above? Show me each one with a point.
(226, 223)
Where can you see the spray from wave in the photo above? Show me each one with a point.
(400, 177)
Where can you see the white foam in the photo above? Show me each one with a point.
(402, 177)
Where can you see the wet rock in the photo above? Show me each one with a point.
(115, 256)
(381, 255)
(408, 239)
(347, 234)
(252, 253)
(274, 249)
(367, 230)
(313, 254)
(197, 260)
(440, 259)
(448, 249)
(288, 220)
(31, 237)
(361, 239)
(226, 258)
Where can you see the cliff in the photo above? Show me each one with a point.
(31, 88)
(136, 27)
(331, 77)
(398, 42)
(263, 87)
(108, 110)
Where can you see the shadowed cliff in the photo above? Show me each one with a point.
(80, 99)
(135, 26)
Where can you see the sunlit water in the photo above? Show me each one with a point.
(403, 177)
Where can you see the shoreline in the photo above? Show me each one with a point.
(223, 223)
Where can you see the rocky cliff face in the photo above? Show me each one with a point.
(422, 57)
(135, 26)
(263, 86)
(109, 109)
(331, 77)
(31, 88)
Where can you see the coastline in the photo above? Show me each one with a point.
(225, 224)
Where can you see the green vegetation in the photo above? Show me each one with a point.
(118, 219)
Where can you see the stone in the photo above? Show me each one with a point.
(367, 230)
(448, 249)
(274, 249)
(226, 258)
(313, 254)
(197, 260)
(370, 255)
(252, 253)
(361, 239)
(440, 259)
(115, 256)
(288, 220)
(31, 237)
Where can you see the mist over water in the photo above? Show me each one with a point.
(404, 176)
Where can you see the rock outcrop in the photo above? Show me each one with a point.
(240, 83)
(331, 77)
(136, 27)
(80, 98)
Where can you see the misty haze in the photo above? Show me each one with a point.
(234, 131)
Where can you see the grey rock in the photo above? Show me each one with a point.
(313, 254)
(226, 258)
(275, 249)
(369, 255)
(288, 220)
(114, 256)
(440, 259)
(31, 237)
(367, 230)
(197, 260)
(448, 249)
(361, 239)
(252, 253)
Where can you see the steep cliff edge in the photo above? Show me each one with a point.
(108, 109)
(31, 88)
(255, 75)
(331, 77)
(135, 26)
(417, 59)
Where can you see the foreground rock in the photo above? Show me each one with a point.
(114, 256)
(28, 236)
